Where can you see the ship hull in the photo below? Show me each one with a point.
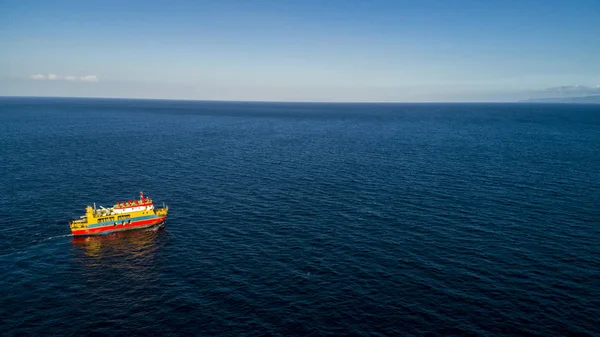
(103, 229)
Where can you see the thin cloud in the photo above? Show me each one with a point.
(89, 78)
(54, 77)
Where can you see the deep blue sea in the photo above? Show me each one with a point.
(299, 219)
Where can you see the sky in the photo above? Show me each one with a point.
(327, 50)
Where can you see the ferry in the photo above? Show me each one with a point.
(132, 214)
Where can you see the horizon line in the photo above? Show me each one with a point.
(271, 101)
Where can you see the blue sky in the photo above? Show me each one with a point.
(329, 50)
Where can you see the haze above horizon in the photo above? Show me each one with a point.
(402, 51)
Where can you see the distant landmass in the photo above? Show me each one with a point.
(580, 100)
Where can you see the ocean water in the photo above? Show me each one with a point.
(302, 219)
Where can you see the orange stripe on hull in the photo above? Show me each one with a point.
(118, 228)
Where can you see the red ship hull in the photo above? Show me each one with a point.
(146, 223)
